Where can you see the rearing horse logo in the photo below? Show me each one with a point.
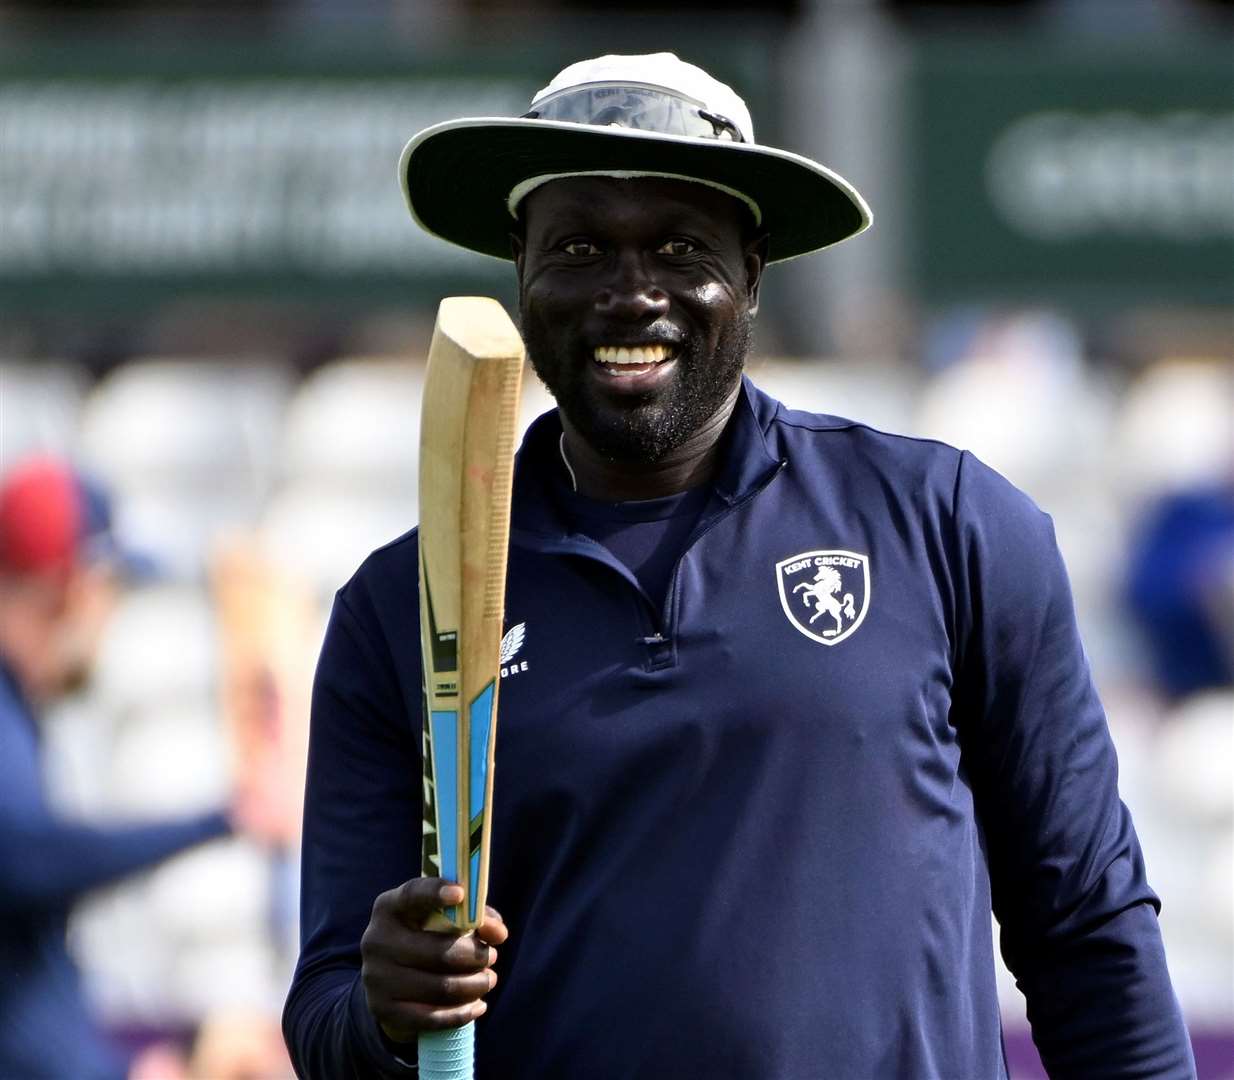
(822, 593)
(831, 586)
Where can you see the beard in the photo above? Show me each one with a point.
(647, 428)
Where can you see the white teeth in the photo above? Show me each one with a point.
(647, 354)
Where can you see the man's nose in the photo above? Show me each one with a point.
(631, 294)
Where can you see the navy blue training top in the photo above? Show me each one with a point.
(46, 865)
(647, 535)
(756, 831)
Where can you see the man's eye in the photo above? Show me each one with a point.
(580, 247)
(677, 245)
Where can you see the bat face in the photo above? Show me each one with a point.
(467, 433)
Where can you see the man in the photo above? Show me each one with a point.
(801, 699)
(58, 576)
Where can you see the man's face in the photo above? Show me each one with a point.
(636, 298)
(53, 624)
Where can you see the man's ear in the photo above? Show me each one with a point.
(755, 262)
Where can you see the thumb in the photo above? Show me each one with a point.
(415, 901)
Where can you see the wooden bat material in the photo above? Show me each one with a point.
(468, 426)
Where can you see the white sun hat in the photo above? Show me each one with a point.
(622, 116)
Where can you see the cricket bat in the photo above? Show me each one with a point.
(469, 417)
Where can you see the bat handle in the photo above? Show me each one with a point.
(448, 1055)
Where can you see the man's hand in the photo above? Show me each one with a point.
(424, 980)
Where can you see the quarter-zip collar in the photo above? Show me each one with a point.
(745, 464)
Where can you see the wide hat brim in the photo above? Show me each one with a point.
(457, 177)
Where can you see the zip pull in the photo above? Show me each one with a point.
(661, 652)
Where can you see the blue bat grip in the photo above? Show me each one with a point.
(448, 1055)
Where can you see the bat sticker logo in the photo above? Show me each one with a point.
(510, 645)
(825, 594)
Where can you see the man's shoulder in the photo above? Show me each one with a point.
(879, 462)
(15, 711)
(19, 737)
(846, 443)
(389, 575)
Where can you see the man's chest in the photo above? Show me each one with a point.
(818, 635)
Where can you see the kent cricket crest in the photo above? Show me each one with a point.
(825, 594)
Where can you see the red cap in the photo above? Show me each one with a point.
(42, 517)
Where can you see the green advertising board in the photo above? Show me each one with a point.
(1090, 175)
(135, 176)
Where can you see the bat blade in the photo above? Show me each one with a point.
(467, 433)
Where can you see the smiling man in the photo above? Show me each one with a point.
(637, 297)
(792, 703)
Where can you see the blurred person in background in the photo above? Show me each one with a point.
(1180, 588)
(60, 573)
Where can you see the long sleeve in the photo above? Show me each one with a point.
(1078, 919)
(361, 837)
(47, 862)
